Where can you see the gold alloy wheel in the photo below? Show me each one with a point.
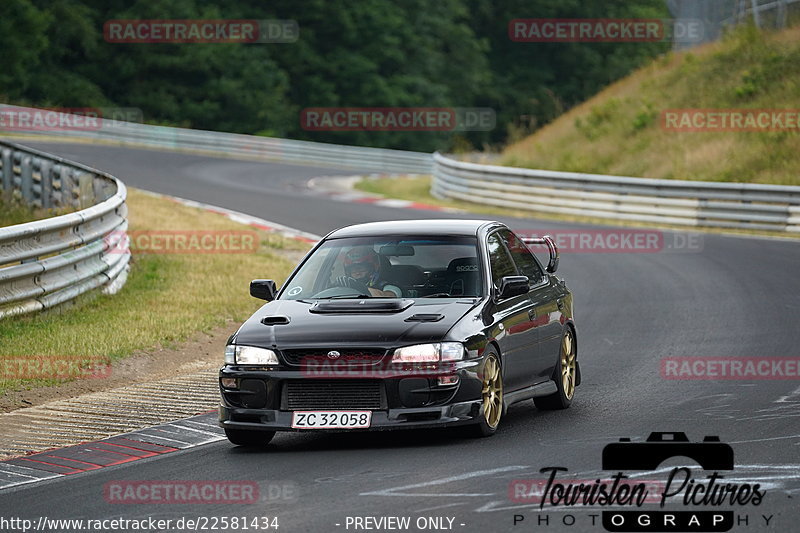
(492, 391)
(568, 365)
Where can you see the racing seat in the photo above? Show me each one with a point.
(463, 277)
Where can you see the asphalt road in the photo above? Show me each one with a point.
(725, 296)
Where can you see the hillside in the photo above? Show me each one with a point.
(621, 130)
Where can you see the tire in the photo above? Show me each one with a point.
(249, 438)
(566, 375)
(492, 396)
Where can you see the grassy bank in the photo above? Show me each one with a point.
(167, 297)
(620, 130)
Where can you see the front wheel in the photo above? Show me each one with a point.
(249, 438)
(492, 397)
(565, 376)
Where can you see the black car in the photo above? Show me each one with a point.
(403, 324)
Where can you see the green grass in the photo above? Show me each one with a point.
(619, 131)
(13, 211)
(168, 297)
(416, 188)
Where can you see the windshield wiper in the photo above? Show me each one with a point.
(447, 295)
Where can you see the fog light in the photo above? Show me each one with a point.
(448, 380)
(230, 383)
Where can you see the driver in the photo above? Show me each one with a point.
(362, 267)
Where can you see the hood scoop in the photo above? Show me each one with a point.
(364, 305)
(275, 320)
(425, 317)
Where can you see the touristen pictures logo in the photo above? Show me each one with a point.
(679, 499)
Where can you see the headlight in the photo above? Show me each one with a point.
(452, 351)
(429, 353)
(249, 355)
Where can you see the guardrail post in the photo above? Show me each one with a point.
(8, 173)
(781, 16)
(46, 170)
(85, 190)
(756, 14)
(26, 179)
(56, 184)
(98, 191)
(69, 187)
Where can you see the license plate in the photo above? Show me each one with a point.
(331, 419)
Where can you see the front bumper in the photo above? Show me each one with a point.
(265, 401)
(272, 420)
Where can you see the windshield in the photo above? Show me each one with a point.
(389, 267)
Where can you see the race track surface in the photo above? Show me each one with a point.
(726, 297)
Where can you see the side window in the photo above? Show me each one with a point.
(522, 256)
(500, 261)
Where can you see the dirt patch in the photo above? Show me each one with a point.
(204, 350)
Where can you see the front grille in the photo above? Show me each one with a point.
(296, 357)
(332, 394)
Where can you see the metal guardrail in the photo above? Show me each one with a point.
(757, 8)
(266, 148)
(47, 262)
(677, 202)
(718, 15)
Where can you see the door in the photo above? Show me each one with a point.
(545, 316)
(513, 321)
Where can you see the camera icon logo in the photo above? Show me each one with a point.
(710, 454)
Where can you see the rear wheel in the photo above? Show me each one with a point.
(565, 376)
(249, 438)
(492, 397)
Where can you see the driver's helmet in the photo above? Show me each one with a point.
(362, 262)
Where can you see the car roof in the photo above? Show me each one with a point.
(447, 226)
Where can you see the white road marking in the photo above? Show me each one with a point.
(397, 491)
(765, 439)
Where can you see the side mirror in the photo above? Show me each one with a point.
(264, 289)
(513, 286)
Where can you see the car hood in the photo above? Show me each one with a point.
(294, 323)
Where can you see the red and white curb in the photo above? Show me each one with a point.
(119, 449)
(241, 218)
(341, 188)
(144, 443)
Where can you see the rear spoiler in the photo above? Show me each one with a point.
(548, 241)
